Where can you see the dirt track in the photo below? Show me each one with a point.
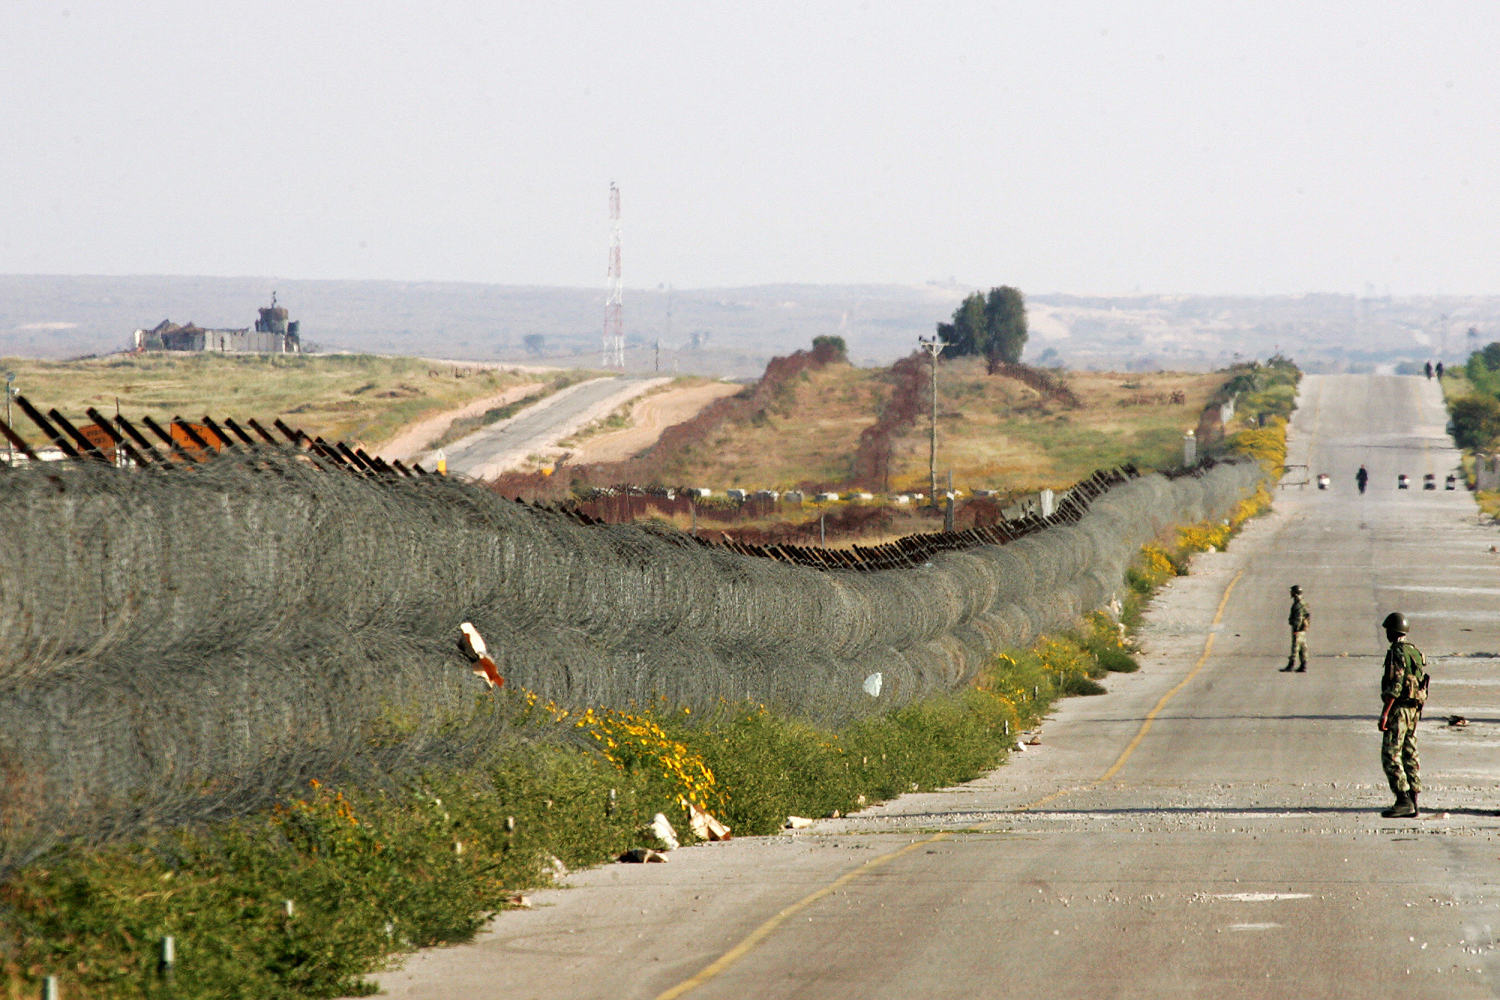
(649, 416)
(417, 437)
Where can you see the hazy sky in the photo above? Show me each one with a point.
(1089, 147)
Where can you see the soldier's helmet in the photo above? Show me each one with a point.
(1395, 622)
(1296, 590)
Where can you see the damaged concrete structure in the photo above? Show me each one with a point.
(274, 333)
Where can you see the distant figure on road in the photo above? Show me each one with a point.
(1299, 619)
(1429, 369)
(1403, 688)
(1361, 477)
(1439, 369)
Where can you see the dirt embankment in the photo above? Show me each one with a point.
(870, 466)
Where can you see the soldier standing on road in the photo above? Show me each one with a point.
(1403, 688)
(1361, 478)
(1299, 619)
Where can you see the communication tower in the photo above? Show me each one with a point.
(614, 329)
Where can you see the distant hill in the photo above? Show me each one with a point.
(734, 331)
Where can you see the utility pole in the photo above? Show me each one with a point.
(10, 390)
(933, 347)
(614, 329)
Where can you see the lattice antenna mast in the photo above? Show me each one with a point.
(614, 329)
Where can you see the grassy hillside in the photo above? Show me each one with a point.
(994, 432)
(998, 433)
(352, 397)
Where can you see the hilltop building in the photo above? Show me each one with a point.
(274, 333)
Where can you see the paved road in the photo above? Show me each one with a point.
(503, 445)
(1210, 828)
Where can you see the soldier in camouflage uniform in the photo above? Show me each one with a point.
(1299, 619)
(1403, 688)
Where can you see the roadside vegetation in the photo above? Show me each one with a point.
(1473, 397)
(1262, 390)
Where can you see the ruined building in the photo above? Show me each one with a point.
(274, 333)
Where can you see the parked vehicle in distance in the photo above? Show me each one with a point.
(1402, 482)
(1323, 480)
(1429, 482)
(1451, 483)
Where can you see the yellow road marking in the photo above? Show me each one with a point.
(760, 933)
(764, 931)
(1208, 647)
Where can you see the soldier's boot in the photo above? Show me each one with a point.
(1414, 810)
(1302, 668)
(1402, 809)
(1287, 667)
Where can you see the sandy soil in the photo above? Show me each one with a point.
(649, 416)
(414, 440)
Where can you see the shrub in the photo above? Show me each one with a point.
(1267, 445)
(1476, 421)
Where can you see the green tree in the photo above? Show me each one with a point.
(966, 334)
(993, 326)
(1476, 421)
(829, 349)
(1481, 369)
(1005, 325)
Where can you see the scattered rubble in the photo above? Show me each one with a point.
(643, 855)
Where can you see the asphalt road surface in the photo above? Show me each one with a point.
(491, 450)
(1210, 828)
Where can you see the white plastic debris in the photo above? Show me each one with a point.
(661, 829)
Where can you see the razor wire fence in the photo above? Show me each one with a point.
(196, 640)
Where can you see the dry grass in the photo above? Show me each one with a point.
(357, 398)
(805, 436)
(993, 432)
(996, 433)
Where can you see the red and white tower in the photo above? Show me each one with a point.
(614, 329)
